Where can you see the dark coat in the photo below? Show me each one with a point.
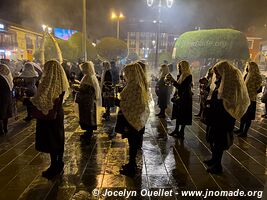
(107, 90)
(250, 113)
(50, 134)
(87, 107)
(162, 91)
(220, 124)
(182, 110)
(5, 99)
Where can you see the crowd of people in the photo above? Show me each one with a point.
(225, 96)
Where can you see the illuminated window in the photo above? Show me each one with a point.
(250, 44)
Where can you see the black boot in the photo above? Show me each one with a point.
(161, 114)
(176, 130)
(5, 122)
(129, 169)
(215, 166)
(87, 135)
(215, 169)
(181, 133)
(2, 132)
(245, 132)
(55, 168)
(241, 129)
(209, 162)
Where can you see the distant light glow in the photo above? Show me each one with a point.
(121, 16)
(49, 30)
(149, 2)
(113, 15)
(8, 53)
(2, 26)
(169, 3)
(44, 27)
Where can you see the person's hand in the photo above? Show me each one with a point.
(169, 78)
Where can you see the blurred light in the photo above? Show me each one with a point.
(154, 21)
(94, 44)
(8, 53)
(113, 15)
(153, 42)
(121, 16)
(147, 48)
(149, 2)
(169, 3)
(49, 29)
(2, 26)
(44, 27)
(141, 20)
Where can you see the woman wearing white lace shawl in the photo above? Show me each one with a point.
(88, 98)
(107, 89)
(253, 82)
(182, 105)
(229, 101)
(6, 86)
(29, 77)
(47, 108)
(135, 112)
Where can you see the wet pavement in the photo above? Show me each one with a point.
(166, 165)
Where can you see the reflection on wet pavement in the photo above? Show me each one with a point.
(164, 163)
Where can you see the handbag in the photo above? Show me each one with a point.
(205, 117)
(175, 99)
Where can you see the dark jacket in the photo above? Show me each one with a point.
(182, 110)
(220, 123)
(87, 107)
(5, 99)
(107, 90)
(162, 91)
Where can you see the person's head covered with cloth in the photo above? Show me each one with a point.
(52, 84)
(232, 89)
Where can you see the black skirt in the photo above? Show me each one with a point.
(50, 135)
(251, 112)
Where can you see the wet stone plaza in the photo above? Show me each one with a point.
(168, 167)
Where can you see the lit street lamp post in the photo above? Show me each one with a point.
(47, 31)
(118, 18)
(84, 31)
(150, 3)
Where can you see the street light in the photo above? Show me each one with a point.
(84, 32)
(47, 32)
(46, 28)
(150, 3)
(119, 17)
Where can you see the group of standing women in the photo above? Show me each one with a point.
(228, 96)
(232, 97)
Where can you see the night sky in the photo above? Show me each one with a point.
(185, 15)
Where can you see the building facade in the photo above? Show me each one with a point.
(17, 42)
(254, 47)
(144, 43)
